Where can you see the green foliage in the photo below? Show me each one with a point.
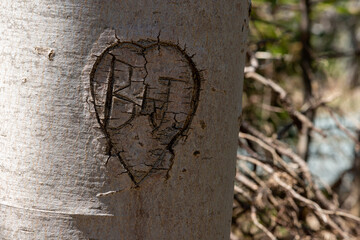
(275, 29)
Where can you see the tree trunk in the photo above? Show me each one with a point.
(306, 64)
(119, 119)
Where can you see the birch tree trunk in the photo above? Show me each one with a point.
(119, 119)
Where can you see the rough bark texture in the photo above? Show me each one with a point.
(119, 119)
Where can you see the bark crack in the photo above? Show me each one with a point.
(145, 95)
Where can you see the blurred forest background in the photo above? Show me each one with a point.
(298, 173)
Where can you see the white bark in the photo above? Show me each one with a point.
(57, 180)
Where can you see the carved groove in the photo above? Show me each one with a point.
(145, 95)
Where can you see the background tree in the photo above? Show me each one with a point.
(300, 111)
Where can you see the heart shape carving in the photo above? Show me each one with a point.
(145, 95)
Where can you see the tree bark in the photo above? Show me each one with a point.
(306, 64)
(119, 119)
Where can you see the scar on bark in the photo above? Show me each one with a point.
(134, 81)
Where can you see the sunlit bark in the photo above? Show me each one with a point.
(64, 171)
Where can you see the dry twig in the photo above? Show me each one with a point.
(285, 102)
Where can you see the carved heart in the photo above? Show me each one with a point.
(145, 95)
